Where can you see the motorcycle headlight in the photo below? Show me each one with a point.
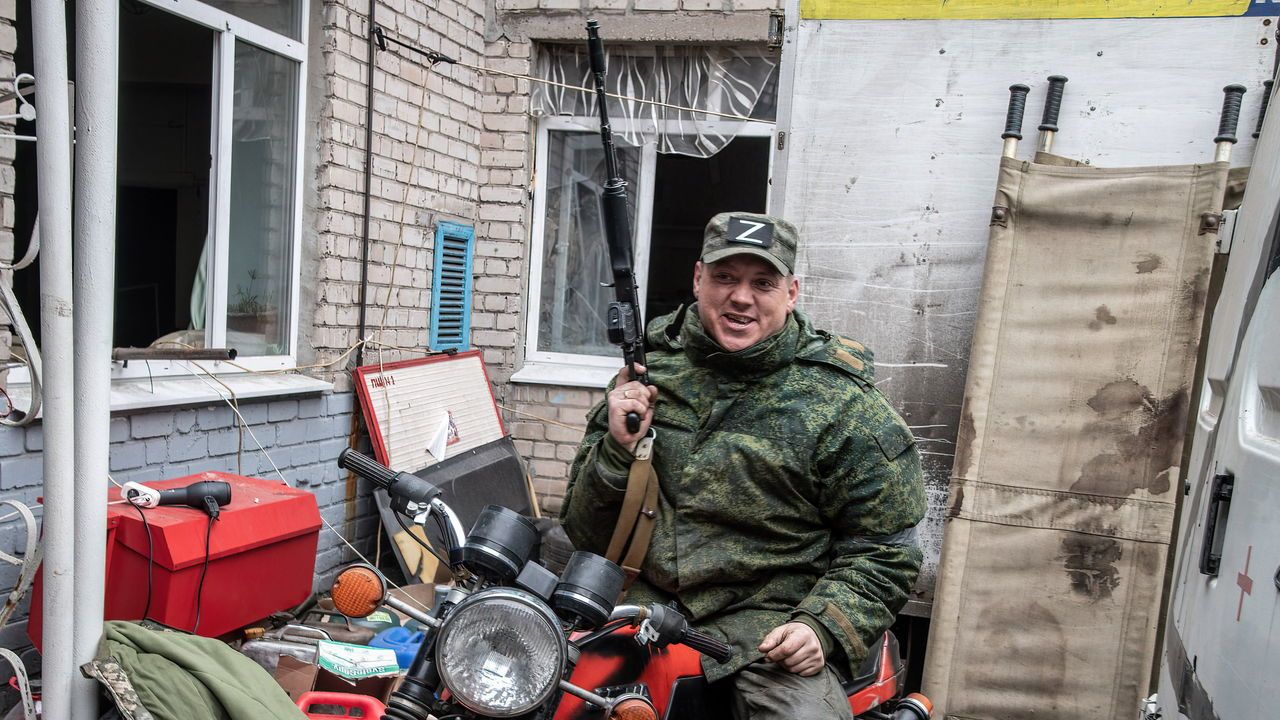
(501, 652)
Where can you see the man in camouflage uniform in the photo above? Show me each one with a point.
(790, 489)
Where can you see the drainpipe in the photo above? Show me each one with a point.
(97, 79)
(53, 163)
(368, 182)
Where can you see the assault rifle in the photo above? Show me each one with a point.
(624, 324)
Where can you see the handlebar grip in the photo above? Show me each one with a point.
(1230, 118)
(366, 467)
(1262, 111)
(713, 648)
(1053, 103)
(1017, 107)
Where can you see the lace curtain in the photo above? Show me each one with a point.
(720, 79)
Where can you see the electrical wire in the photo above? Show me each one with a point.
(328, 525)
(151, 560)
(602, 631)
(419, 540)
(203, 572)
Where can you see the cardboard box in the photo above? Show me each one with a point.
(297, 677)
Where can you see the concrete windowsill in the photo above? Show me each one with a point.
(141, 394)
(583, 376)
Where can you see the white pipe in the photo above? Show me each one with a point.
(53, 163)
(97, 95)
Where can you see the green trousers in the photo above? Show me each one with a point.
(766, 691)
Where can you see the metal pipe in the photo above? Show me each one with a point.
(368, 180)
(411, 611)
(587, 695)
(53, 167)
(97, 96)
(163, 353)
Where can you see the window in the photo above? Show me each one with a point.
(670, 198)
(208, 216)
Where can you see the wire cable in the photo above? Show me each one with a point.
(204, 570)
(419, 540)
(328, 525)
(151, 560)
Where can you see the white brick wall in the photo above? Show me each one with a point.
(547, 422)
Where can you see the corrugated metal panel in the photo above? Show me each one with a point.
(451, 287)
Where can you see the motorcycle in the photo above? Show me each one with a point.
(510, 639)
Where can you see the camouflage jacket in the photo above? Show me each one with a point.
(789, 489)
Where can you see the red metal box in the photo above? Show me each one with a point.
(262, 556)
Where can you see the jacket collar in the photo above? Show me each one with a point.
(683, 330)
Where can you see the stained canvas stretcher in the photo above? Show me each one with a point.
(1063, 493)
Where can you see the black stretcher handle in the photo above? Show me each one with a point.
(1233, 95)
(1053, 103)
(1017, 108)
(1262, 111)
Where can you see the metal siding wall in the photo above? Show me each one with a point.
(889, 164)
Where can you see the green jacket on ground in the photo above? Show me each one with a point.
(170, 675)
(790, 489)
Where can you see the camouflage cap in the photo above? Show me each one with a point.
(739, 233)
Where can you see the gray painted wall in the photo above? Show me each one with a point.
(302, 436)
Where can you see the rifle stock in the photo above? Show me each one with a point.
(624, 323)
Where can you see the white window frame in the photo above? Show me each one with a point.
(230, 29)
(581, 370)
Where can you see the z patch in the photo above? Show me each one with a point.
(749, 232)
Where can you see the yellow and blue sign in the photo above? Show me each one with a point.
(1031, 9)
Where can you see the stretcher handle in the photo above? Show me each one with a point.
(1233, 95)
(1017, 108)
(1053, 103)
(1262, 111)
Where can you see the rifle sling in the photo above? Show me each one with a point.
(639, 512)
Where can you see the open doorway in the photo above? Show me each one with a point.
(687, 192)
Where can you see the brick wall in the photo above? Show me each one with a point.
(547, 421)
(426, 168)
(301, 436)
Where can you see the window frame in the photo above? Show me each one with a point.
(228, 30)
(575, 369)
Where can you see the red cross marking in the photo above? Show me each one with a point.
(1245, 582)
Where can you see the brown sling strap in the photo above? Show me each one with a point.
(639, 511)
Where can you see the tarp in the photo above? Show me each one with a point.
(1066, 466)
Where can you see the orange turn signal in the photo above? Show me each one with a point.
(358, 591)
(632, 707)
(921, 703)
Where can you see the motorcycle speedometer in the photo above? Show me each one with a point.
(501, 652)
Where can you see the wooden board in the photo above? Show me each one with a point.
(405, 404)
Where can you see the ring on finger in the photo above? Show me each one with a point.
(626, 394)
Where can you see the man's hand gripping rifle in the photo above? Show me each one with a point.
(624, 323)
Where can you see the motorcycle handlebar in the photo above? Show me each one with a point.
(712, 647)
(408, 488)
(366, 467)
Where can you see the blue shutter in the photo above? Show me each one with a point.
(451, 287)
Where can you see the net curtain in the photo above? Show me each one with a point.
(721, 79)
